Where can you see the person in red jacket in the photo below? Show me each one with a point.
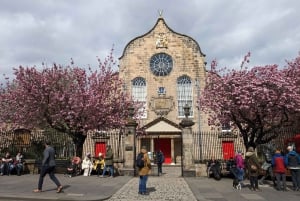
(279, 168)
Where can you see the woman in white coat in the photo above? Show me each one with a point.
(87, 165)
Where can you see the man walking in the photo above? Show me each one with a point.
(48, 166)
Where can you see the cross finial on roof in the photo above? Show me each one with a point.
(160, 12)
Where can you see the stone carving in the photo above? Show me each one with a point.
(162, 41)
(161, 105)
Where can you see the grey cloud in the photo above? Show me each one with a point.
(50, 31)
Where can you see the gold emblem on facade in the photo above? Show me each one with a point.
(162, 41)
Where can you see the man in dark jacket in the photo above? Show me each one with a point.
(48, 166)
(292, 159)
(160, 160)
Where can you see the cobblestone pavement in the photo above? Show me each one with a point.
(172, 187)
(169, 186)
(159, 189)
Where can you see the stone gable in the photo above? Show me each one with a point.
(187, 60)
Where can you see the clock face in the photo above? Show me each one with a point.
(161, 64)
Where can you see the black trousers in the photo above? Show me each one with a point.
(47, 170)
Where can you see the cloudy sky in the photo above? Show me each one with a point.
(37, 31)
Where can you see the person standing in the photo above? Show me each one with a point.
(160, 160)
(279, 168)
(240, 167)
(144, 172)
(48, 167)
(292, 159)
(253, 167)
(109, 157)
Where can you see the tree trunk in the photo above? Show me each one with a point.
(79, 139)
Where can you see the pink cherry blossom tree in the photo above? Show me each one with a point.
(68, 99)
(256, 101)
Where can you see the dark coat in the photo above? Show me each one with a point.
(109, 157)
(49, 157)
(251, 158)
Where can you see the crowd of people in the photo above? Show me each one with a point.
(248, 165)
(86, 166)
(101, 165)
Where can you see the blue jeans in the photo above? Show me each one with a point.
(143, 183)
(6, 168)
(111, 169)
(240, 174)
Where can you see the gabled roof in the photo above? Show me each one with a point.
(160, 19)
(161, 125)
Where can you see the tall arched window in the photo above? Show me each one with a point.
(139, 93)
(184, 94)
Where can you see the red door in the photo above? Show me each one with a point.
(164, 144)
(228, 149)
(100, 147)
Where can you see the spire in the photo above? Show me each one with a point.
(160, 13)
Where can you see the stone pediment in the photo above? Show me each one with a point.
(162, 125)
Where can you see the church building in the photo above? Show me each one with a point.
(165, 71)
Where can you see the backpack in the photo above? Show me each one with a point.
(139, 160)
(292, 160)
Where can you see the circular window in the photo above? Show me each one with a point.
(161, 64)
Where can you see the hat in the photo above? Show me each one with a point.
(251, 149)
(144, 147)
(289, 148)
(100, 154)
(239, 151)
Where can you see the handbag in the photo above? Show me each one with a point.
(253, 167)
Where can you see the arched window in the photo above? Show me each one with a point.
(184, 94)
(139, 93)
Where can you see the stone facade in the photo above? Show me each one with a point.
(188, 59)
(160, 127)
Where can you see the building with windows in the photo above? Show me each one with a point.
(164, 70)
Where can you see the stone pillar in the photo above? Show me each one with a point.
(172, 151)
(130, 145)
(188, 165)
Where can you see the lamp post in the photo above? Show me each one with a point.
(197, 84)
